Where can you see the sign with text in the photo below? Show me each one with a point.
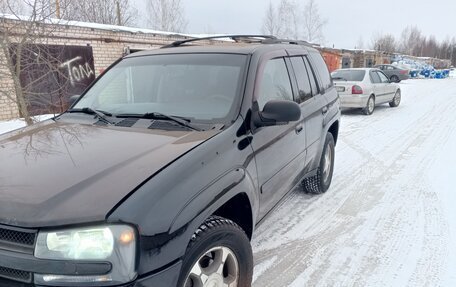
(51, 74)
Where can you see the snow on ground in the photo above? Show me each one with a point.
(389, 218)
(6, 126)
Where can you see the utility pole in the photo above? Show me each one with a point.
(119, 22)
(57, 8)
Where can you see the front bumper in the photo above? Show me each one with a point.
(353, 101)
(167, 277)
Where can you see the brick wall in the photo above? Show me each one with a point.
(107, 45)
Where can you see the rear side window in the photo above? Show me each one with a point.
(275, 83)
(313, 80)
(302, 76)
(322, 70)
(375, 78)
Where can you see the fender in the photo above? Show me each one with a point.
(203, 205)
(331, 118)
(173, 203)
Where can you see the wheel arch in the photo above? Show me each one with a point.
(334, 130)
(239, 210)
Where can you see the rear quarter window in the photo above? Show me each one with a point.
(322, 70)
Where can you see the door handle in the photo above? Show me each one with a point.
(324, 110)
(299, 129)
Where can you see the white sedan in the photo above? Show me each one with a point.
(365, 88)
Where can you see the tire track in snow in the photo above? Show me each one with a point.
(311, 237)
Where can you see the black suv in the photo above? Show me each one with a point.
(159, 173)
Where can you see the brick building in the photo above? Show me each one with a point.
(105, 43)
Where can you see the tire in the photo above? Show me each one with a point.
(396, 100)
(216, 238)
(395, 79)
(370, 106)
(320, 182)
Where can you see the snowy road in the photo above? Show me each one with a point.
(389, 218)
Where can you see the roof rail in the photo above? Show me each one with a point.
(235, 38)
(285, 41)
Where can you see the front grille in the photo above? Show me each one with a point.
(17, 237)
(16, 275)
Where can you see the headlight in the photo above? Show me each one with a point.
(115, 244)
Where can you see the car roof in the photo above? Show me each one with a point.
(244, 49)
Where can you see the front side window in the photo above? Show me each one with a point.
(275, 83)
(201, 87)
(383, 78)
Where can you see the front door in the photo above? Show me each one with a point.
(279, 150)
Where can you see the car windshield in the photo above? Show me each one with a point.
(349, 75)
(200, 87)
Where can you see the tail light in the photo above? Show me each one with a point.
(404, 72)
(357, 90)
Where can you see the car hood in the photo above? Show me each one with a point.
(54, 173)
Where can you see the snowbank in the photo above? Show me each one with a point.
(6, 126)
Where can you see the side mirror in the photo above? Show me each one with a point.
(277, 112)
(73, 99)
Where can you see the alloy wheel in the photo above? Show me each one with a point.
(218, 267)
(327, 165)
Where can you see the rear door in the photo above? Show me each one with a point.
(388, 91)
(318, 108)
(279, 150)
(377, 85)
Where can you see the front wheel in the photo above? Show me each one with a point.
(320, 182)
(219, 254)
(396, 100)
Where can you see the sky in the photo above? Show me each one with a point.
(349, 22)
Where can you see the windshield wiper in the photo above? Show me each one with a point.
(339, 78)
(99, 114)
(159, 116)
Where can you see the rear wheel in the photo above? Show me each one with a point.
(395, 79)
(396, 100)
(219, 254)
(370, 106)
(320, 182)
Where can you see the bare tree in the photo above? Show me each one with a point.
(7, 6)
(271, 25)
(286, 21)
(166, 15)
(360, 43)
(384, 43)
(313, 23)
(282, 21)
(22, 48)
(100, 11)
(411, 40)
